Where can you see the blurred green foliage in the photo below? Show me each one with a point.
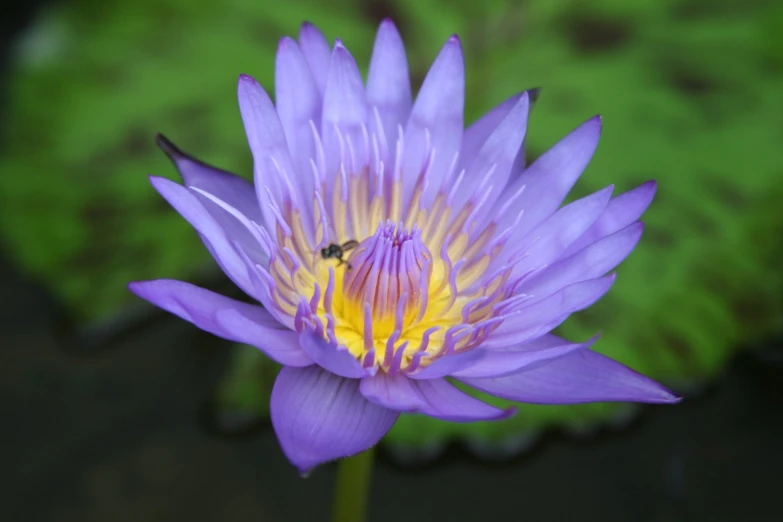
(690, 91)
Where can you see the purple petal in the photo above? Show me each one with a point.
(298, 102)
(581, 376)
(438, 110)
(233, 189)
(214, 236)
(495, 158)
(317, 51)
(436, 398)
(502, 362)
(539, 318)
(550, 178)
(477, 133)
(544, 244)
(224, 317)
(331, 357)
(271, 159)
(448, 364)
(319, 417)
(589, 263)
(388, 82)
(345, 110)
(620, 212)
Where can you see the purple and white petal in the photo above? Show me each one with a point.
(273, 169)
(546, 243)
(224, 317)
(345, 117)
(581, 376)
(489, 171)
(449, 364)
(621, 212)
(550, 178)
(594, 261)
(534, 320)
(437, 117)
(318, 53)
(332, 357)
(478, 132)
(434, 397)
(234, 190)
(506, 361)
(388, 83)
(298, 103)
(217, 239)
(319, 417)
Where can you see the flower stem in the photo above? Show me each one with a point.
(353, 488)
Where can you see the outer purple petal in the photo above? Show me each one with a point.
(507, 361)
(477, 133)
(271, 159)
(582, 376)
(492, 164)
(539, 318)
(589, 263)
(216, 238)
(344, 109)
(331, 357)
(319, 417)
(550, 178)
(438, 110)
(435, 397)
(317, 51)
(298, 102)
(232, 189)
(388, 82)
(546, 243)
(224, 317)
(449, 364)
(620, 212)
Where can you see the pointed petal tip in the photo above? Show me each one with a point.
(156, 181)
(388, 24)
(167, 146)
(534, 93)
(338, 45)
(246, 84)
(135, 287)
(651, 186)
(285, 42)
(639, 225)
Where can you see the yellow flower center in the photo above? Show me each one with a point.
(396, 289)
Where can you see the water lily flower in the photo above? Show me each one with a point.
(391, 248)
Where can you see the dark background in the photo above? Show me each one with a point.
(118, 435)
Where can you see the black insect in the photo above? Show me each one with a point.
(333, 250)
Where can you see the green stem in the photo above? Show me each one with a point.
(353, 488)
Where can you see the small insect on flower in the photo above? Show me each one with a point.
(335, 251)
(463, 259)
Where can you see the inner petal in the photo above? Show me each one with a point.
(390, 273)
